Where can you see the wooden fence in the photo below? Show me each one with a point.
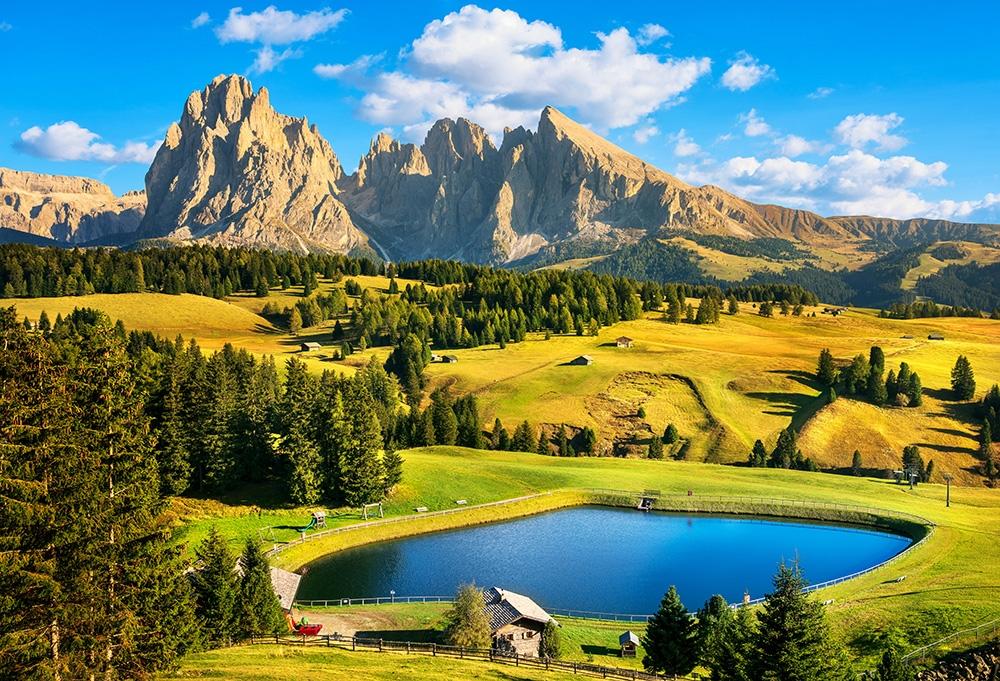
(458, 652)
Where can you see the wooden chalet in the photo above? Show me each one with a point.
(581, 361)
(516, 621)
(935, 336)
(623, 342)
(309, 346)
(629, 644)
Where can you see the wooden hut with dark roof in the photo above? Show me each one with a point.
(516, 621)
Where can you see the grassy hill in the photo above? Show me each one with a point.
(723, 385)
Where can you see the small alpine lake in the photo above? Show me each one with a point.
(603, 559)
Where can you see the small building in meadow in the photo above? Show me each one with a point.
(623, 342)
(935, 336)
(629, 644)
(449, 359)
(581, 361)
(516, 622)
(310, 346)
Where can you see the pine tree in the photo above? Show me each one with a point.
(985, 440)
(524, 438)
(670, 434)
(655, 448)
(891, 387)
(758, 456)
(734, 660)
(467, 624)
(785, 451)
(856, 463)
(215, 587)
(892, 667)
(963, 381)
(875, 387)
(218, 440)
(445, 421)
(715, 621)
(562, 441)
(172, 453)
(295, 321)
(671, 639)
(826, 371)
(876, 358)
(792, 641)
(297, 447)
(257, 608)
(734, 305)
(392, 465)
(362, 475)
(588, 440)
(551, 645)
(915, 391)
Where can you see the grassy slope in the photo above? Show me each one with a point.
(928, 264)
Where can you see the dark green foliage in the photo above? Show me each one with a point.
(758, 455)
(562, 442)
(469, 432)
(257, 608)
(362, 475)
(914, 390)
(875, 387)
(655, 448)
(499, 437)
(985, 440)
(963, 380)
(467, 624)
(524, 438)
(588, 440)
(792, 641)
(785, 453)
(733, 660)
(715, 624)
(892, 666)
(216, 588)
(972, 286)
(670, 434)
(826, 371)
(445, 421)
(876, 358)
(297, 447)
(671, 638)
(653, 260)
(392, 464)
(856, 376)
(551, 646)
(913, 461)
(856, 463)
(766, 309)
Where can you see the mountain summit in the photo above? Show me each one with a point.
(236, 172)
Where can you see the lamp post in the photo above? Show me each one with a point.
(947, 493)
(392, 595)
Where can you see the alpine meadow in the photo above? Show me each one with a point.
(639, 343)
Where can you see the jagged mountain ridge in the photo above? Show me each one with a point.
(233, 171)
(71, 210)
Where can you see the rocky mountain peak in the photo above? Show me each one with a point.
(235, 171)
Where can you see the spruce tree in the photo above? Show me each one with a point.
(215, 587)
(655, 448)
(792, 641)
(219, 441)
(758, 455)
(876, 358)
(297, 447)
(735, 657)
(671, 638)
(172, 452)
(856, 463)
(445, 421)
(295, 321)
(257, 609)
(985, 440)
(875, 387)
(524, 438)
(963, 381)
(715, 620)
(785, 451)
(914, 390)
(392, 465)
(826, 371)
(670, 434)
(362, 475)
(467, 623)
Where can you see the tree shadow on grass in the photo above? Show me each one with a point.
(599, 650)
(946, 449)
(412, 635)
(801, 377)
(783, 404)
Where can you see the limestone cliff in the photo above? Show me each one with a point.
(73, 210)
(233, 171)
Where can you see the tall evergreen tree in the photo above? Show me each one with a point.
(257, 609)
(297, 447)
(524, 438)
(875, 387)
(215, 587)
(734, 659)
(362, 475)
(914, 390)
(172, 452)
(758, 455)
(445, 421)
(467, 623)
(655, 448)
(671, 638)
(826, 371)
(670, 434)
(985, 440)
(785, 451)
(715, 623)
(963, 380)
(392, 464)
(792, 641)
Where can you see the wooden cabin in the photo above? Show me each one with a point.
(581, 361)
(623, 342)
(310, 346)
(629, 644)
(449, 359)
(935, 336)
(516, 622)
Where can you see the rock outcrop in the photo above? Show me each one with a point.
(233, 171)
(72, 210)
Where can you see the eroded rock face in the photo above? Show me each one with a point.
(73, 210)
(233, 171)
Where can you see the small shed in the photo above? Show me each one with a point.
(310, 346)
(623, 342)
(319, 518)
(629, 643)
(935, 336)
(449, 359)
(582, 361)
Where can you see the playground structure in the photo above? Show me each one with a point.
(317, 520)
(373, 506)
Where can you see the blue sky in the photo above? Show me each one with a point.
(857, 107)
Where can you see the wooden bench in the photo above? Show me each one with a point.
(461, 502)
(421, 509)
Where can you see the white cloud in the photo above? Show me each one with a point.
(273, 27)
(645, 132)
(650, 33)
(68, 141)
(500, 69)
(683, 145)
(793, 145)
(986, 209)
(200, 20)
(820, 93)
(276, 27)
(848, 184)
(859, 130)
(745, 71)
(267, 59)
(754, 124)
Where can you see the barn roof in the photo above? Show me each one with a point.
(285, 584)
(624, 339)
(628, 637)
(504, 607)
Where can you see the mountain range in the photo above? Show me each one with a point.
(234, 171)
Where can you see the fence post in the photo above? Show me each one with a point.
(407, 647)
(276, 639)
(434, 650)
(380, 645)
(354, 643)
(516, 660)
(461, 652)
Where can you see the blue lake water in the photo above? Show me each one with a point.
(602, 559)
